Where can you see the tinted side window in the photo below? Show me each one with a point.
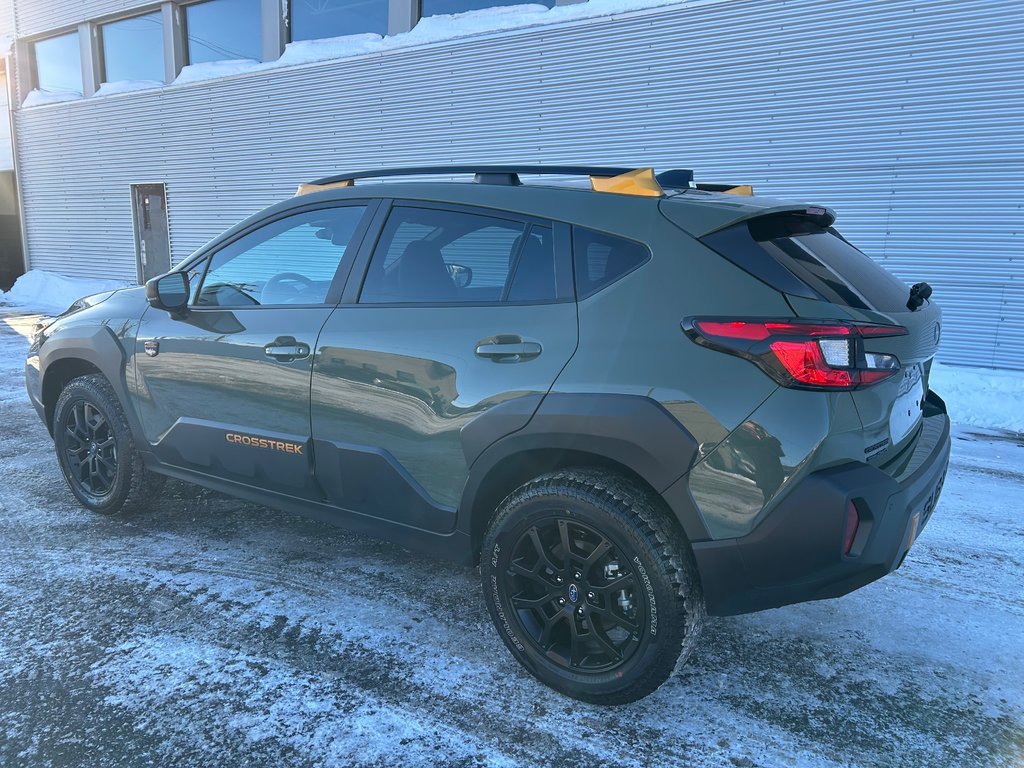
(430, 256)
(602, 259)
(289, 261)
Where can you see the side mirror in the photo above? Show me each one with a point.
(168, 292)
(461, 276)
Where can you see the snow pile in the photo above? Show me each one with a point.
(125, 86)
(306, 51)
(431, 29)
(53, 293)
(37, 98)
(211, 69)
(981, 397)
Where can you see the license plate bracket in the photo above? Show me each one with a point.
(907, 409)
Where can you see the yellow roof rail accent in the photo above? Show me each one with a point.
(305, 189)
(639, 182)
(727, 189)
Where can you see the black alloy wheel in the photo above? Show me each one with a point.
(575, 595)
(591, 584)
(96, 451)
(90, 448)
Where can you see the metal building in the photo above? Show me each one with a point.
(904, 115)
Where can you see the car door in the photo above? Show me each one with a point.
(223, 389)
(459, 311)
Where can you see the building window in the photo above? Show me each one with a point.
(314, 19)
(133, 49)
(437, 7)
(59, 64)
(219, 30)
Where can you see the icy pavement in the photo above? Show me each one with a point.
(211, 631)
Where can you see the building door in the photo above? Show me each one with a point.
(152, 246)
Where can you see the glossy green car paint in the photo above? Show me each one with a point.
(407, 432)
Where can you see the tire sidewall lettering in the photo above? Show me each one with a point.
(649, 590)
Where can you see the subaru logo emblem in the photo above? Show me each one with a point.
(574, 593)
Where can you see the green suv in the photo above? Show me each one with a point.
(632, 403)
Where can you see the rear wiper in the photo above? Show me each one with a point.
(919, 294)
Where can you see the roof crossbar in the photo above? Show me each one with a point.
(506, 174)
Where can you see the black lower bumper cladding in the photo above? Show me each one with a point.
(796, 553)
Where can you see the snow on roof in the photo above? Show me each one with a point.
(430, 29)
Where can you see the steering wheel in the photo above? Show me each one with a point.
(285, 294)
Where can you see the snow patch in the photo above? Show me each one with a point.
(127, 86)
(210, 69)
(431, 29)
(306, 51)
(50, 292)
(38, 98)
(981, 397)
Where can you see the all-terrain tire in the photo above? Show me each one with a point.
(96, 451)
(544, 595)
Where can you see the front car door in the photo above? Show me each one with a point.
(223, 389)
(459, 310)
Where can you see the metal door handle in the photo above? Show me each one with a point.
(508, 349)
(285, 353)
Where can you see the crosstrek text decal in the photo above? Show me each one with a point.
(264, 442)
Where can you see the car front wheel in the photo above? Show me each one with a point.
(96, 451)
(592, 588)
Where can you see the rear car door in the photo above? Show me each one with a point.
(460, 311)
(223, 389)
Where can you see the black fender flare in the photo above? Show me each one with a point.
(633, 431)
(97, 346)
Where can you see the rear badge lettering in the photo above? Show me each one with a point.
(264, 442)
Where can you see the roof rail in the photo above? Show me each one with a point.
(502, 174)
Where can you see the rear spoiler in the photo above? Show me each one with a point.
(701, 216)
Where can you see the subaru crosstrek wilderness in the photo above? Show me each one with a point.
(632, 403)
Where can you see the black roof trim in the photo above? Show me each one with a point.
(508, 174)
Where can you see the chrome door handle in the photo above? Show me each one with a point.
(286, 352)
(508, 349)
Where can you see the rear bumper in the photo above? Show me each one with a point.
(795, 554)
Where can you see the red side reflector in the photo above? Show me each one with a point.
(852, 524)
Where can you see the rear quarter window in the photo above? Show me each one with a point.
(601, 259)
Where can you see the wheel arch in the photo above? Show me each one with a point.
(631, 435)
(74, 353)
(57, 375)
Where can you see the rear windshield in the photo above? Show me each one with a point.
(819, 258)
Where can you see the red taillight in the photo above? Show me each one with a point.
(810, 355)
(804, 362)
(852, 524)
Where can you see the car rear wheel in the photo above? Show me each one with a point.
(591, 586)
(96, 451)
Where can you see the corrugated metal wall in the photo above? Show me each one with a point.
(37, 16)
(904, 115)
